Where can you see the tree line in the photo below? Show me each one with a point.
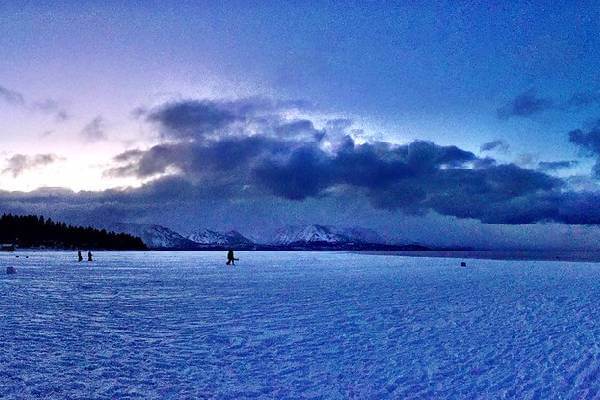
(36, 231)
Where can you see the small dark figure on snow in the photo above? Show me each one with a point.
(231, 258)
(79, 256)
(90, 256)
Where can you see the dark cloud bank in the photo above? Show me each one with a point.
(249, 154)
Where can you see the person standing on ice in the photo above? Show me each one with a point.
(79, 256)
(231, 258)
(90, 256)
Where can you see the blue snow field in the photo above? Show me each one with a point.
(177, 325)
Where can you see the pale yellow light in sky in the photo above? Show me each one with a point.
(77, 173)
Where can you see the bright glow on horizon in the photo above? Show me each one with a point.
(76, 173)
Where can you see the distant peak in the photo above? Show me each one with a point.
(206, 236)
(314, 233)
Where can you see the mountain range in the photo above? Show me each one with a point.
(299, 235)
(155, 236)
(306, 237)
(210, 238)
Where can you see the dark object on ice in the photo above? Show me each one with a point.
(90, 256)
(463, 264)
(79, 256)
(11, 270)
(231, 258)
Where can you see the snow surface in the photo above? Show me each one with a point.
(180, 325)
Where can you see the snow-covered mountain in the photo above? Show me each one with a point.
(363, 235)
(155, 236)
(325, 235)
(207, 237)
(307, 234)
(308, 237)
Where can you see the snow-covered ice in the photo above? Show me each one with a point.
(182, 325)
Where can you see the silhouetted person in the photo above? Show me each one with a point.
(90, 256)
(231, 258)
(79, 256)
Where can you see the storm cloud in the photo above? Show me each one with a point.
(235, 152)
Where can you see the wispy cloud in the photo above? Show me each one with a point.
(524, 105)
(584, 99)
(45, 106)
(496, 145)
(53, 107)
(589, 142)
(19, 163)
(557, 165)
(529, 103)
(11, 97)
(95, 130)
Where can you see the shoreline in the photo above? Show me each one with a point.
(509, 255)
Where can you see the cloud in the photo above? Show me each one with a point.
(503, 194)
(525, 105)
(529, 103)
(46, 106)
(255, 151)
(193, 118)
(11, 96)
(292, 160)
(497, 145)
(526, 159)
(53, 107)
(94, 130)
(19, 163)
(584, 99)
(199, 119)
(129, 155)
(290, 169)
(589, 143)
(556, 165)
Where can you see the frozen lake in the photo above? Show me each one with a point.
(182, 325)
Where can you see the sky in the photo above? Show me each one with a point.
(445, 123)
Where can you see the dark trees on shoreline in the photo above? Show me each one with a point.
(35, 231)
